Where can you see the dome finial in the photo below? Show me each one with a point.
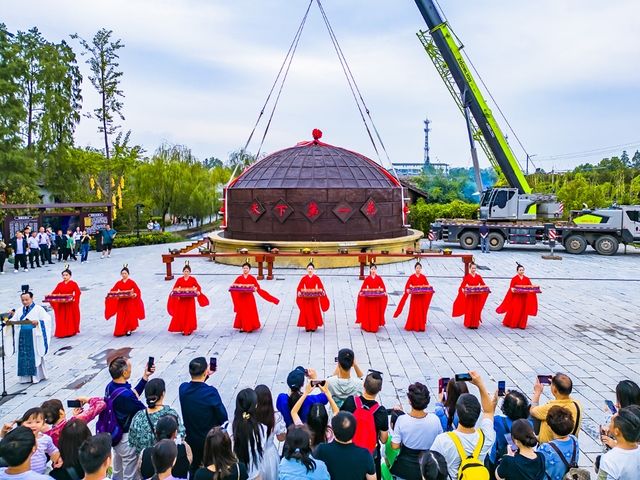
(317, 134)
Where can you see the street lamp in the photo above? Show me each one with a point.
(138, 208)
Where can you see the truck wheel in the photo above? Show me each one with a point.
(606, 245)
(575, 244)
(469, 240)
(496, 241)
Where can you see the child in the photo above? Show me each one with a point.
(33, 419)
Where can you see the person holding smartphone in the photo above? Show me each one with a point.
(561, 388)
(84, 408)
(524, 463)
(286, 401)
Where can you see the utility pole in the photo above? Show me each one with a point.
(427, 160)
(528, 158)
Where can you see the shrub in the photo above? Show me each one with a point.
(424, 214)
(133, 240)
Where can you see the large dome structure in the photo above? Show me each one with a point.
(314, 191)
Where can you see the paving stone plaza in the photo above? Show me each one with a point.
(587, 326)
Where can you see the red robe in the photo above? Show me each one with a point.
(244, 304)
(470, 305)
(518, 306)
(418, 306)
(311, 308)
(128, 311)
(67, 314)
(370, 310)
(183, 309)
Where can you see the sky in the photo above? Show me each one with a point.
(197, 72)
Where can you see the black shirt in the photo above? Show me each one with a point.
(180, 468)
(70, 473)
(380, 417)
(345, 461)
(206, 474)
(522, 468)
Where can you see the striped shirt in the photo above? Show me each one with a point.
(45, 447)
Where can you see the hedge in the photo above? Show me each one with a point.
(133, 240)
(423, 214)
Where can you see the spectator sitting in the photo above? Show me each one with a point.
(561, 388)
(95, 457)
(341, 384)
(317, 418)
(446, 406)
(344, 460)
(16, 449)
(514, 406)
(414, 434)
(276, 429)
(45, 449)
(220, 463)
(285, 402)
(163, 457)
(150, 225)
(72, 436)
(388, 453)
(434, 466)
(249, 435)
(141, 433)
(469, 410)
(525, 463)
(202, 408)
(561, 423)
(55, 415)
(167, 429)
(622, 462)
(297, 461)
(125, 405)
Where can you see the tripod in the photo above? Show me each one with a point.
(4, 317)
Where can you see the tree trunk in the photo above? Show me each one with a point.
(104, 124)
(30, 116)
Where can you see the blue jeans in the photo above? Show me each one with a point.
(84, 252)
(484, 244)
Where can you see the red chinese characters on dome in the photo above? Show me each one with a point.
(369, 209)
(343, 211)
(312, 211)
(282, 210)
(255, 210)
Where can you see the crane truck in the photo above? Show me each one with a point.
(513, 214)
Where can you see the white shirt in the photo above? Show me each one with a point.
(33, 243)
(43, 238)
(416, 433)
(447, 448)
(620, 464)
(77, 236)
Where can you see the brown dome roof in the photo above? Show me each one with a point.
(315, 165)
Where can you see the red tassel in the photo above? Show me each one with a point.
(317, 134)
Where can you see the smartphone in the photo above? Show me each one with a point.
(74, 404)
(502, 386)
(545, 379)
(442, 384)
(150, 363)
(336, 360)
(510, 442)
(318, 383)
(611, 406)
(463, 377)
(213, 364)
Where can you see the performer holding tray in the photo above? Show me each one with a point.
(471, 298)
(244, 302)
(421, 293)
(124, 300)
(520, 301)
(65, 301)
(312, 300)
(182, 303)
(372, 302)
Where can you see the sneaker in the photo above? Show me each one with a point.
(102, 256)
(15, 271)
(26, 269)
(109, 256)
(1, 273)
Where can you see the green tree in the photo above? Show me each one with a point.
(12, 111)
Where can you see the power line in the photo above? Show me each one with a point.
(589, 153)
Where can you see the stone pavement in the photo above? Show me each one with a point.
(587, 326)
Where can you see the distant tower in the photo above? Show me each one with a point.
(427, 161)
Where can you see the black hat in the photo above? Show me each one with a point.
(295, 379)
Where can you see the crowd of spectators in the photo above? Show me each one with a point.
(320, 429)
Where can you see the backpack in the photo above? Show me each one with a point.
(471, 468)
(573, 471)
(366, 435)
(107, 420)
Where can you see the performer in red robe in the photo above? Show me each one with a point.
(518, 306)
(370, 309)
(183, 309)
(419, 304)
(67, 314)
(311, 308)
(244, 302)
(128, 310)
(470, 304)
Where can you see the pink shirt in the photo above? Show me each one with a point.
(91, 411)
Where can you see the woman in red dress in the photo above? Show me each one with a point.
(370, 309)
(183, 309)
(419, 304)
(244, 302)
(127, 309)
(67, 314)
(518, 306)
(311, 308)
(470, 304)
